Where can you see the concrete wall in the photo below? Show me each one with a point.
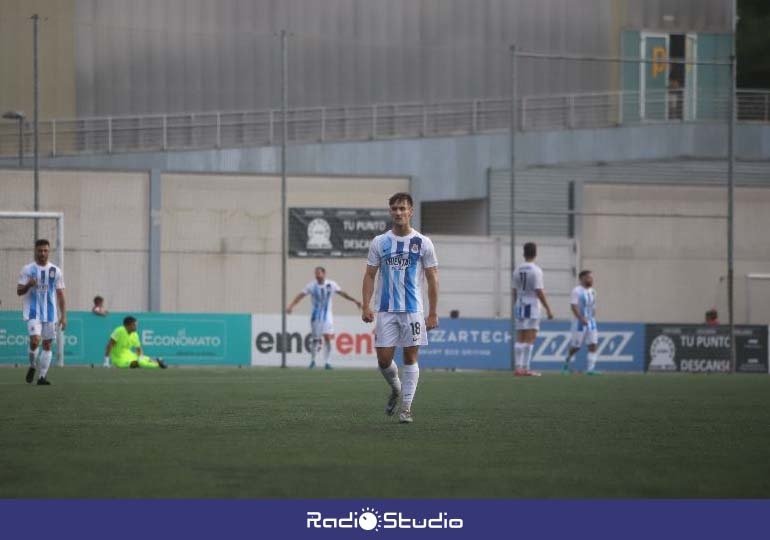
(451, 168)
(219, 236)
(105, 234)
(672, 270)
(171, 56)
(221, 239)
(57, 57)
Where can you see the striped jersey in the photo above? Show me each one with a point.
(402, 261)
(585, 301)
(321, 297)
(39, 303)
(527, 279)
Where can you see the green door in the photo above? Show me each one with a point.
(654, 78)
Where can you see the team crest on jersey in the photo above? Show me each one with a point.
(51, 273)
(414, 248)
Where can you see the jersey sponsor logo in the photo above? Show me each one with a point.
(613, 346)
(399, 261)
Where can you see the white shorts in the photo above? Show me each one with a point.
(46, 330)
(400, 330)
(579, 337)
(321, 327)
(527, 324)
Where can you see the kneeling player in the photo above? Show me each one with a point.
(125, 351)
(583, 304)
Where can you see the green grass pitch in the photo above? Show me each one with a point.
(299, 433)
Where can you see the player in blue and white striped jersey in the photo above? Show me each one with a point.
(584, 330)
(403, 257)
(41, 286)
(321, 291)
(528, 294)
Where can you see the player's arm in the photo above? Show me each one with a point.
(576, 313)
(431, 276)
(24, 286)
(346, 296)
(296, 301)
(108, 349)
(367, 290)
(541, 296)
(62, 308)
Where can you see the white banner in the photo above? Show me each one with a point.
(352, 345)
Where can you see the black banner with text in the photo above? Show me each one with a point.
(334, 232)
(697, 348)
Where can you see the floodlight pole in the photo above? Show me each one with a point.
(731, 201)
(284, 124)
(36, 111)
(512, 129)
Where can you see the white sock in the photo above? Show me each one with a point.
(313, 350)
(518, 350)
(528, 348)
(33, 357)
(391, 375)
(409, 386)
(45, 363)
(592, 356)
(327, 352)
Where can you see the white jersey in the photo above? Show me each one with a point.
(402, 261)
(321, 297)
(39, 304)
(527, 279)
(585, 301)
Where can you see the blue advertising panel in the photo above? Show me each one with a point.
(486, 344)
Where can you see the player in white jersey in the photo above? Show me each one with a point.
(583, 305)
(41, 286)
(403, 258)
(528, 293)
(321, 291)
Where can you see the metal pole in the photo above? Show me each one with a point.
(512, 129)
(36, 98)
(60, 251)
(21, 142)
(731, 200)
(284, 124)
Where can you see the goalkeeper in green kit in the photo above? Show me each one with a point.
(125, 351)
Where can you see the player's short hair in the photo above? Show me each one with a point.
(401, 196)
(42, 242)
(98, 298)
(583, 274)
(128, 320)
(321, 268)
(530, 250)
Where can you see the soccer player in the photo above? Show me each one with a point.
(583, 305)
(528, 293)
(41, 286)
(403, 257)
(321, 319)
(125, 351)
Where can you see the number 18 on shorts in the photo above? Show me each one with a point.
(400, 330)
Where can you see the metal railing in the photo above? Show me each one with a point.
(208, 130)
